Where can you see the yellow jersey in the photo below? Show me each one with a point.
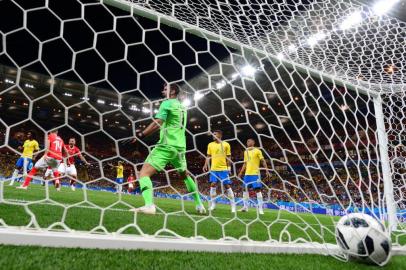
(29, 147)
(219, 153)
(120, 171)
(252, 157)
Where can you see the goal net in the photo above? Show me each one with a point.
(318, 85)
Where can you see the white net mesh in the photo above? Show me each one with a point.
(395, 123)
(300, 78)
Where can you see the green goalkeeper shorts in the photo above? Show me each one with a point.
(163, 155)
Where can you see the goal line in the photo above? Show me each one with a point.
(77, 239)
(119, 241)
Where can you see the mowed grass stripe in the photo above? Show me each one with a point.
(28, 258)
(180, 217)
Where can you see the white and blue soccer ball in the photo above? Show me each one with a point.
(361, 237)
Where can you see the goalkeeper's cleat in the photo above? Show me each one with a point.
(149, 210)
(22, 187)
(58, 189)
(233, 209)
(260, 211)
(200, 209)
(72, 187)
(243, 209)
(11, 183)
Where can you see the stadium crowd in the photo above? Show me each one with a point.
(306, 175)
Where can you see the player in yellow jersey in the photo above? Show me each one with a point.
(119, 176)
(25, 161)
(219, 153)
(252, 159)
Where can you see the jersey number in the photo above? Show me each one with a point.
(58, 146)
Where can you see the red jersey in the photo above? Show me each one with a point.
(55, 146)
(72, 153)
(130, 179)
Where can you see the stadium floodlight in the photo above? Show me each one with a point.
(9, 81)
(234, 75)
(198, 96)
(280, 56)
(314, 39)
(352, 20)
(146, 110)
(292, 48)
(221, 84)
(67, 94)
(84, 98)
(134, 108)
(186, 102)
(248, 71)
(383, 6)
(115, 105)
(101, 101)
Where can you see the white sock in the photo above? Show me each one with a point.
(260, 199)
(230, 195)
(213, 194)
(14, 176)
(245, 196)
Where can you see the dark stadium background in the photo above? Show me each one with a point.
(49, 112)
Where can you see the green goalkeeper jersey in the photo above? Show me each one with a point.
(174, 115)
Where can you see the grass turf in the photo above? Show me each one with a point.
(21, 258)
(96, 210)
(82, 210)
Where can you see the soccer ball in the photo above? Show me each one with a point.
(363, 238)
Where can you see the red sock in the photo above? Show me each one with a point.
(29, 177)
(56, 175)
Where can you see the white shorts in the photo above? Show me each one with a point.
(130, 185)
(48, 173)
(46, 162)
(67, 169)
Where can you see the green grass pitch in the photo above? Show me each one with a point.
(82, 210)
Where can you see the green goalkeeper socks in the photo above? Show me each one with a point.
(146, 189)
(192, 188)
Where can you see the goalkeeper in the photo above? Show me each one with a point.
(170, 149)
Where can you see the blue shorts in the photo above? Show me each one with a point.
(119, 180)
(28, 163)
(253, 181)
(222, 176)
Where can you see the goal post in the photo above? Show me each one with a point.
(386, 170)
(310, 94)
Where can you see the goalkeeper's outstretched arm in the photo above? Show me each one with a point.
(154, 126)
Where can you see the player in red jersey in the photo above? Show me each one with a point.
(52, 158)
(131, 181)
(69, 168)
